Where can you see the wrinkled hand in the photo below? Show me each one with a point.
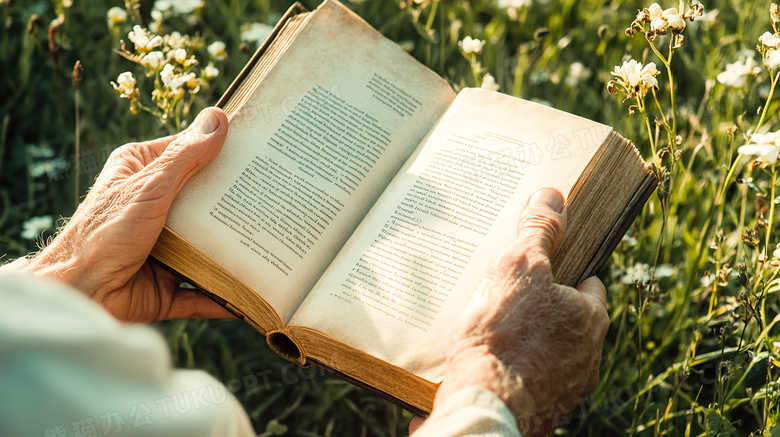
(534, 343)
(104, 249)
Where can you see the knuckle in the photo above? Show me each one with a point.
(120, 152)
(523, 256)
(184, 140)
(545, 222)
(512, 259)
(156, 187)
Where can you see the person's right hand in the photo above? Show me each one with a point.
(534, 343)
(103, 251)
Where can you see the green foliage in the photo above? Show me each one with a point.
(693, 347)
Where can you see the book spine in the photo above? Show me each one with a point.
(294, 10)
(286, 345)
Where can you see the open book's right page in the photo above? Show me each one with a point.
(405, 276)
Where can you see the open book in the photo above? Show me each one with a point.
(358, 200)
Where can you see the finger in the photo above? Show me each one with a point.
(595, 293)
(543, 223)
(192, 304)
(593, 288)
(416, 423)
(192, 149)
(157, 146)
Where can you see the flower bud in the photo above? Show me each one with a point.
(78, 72)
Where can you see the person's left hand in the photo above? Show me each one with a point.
(104, 249)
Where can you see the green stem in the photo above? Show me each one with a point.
(722, 195)
(641, 104)
(771, 213)
(475, 70)
(431, 17)
(668, 65)
(714, 295)
(657, 53)
(77, 158)
(663, 116)
(768, 100)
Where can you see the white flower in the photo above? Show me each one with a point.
(32, 228)
(126, 80)
(657, 21)
(182, 7)
(255, 32)
(155, 42)
(172, 80)
(156, 26)
(517, 4)
(40, 150)
(174, 40)
(675, 20)
(210, 71)
(407, 45)
(638, 272)
(772, 59)
(766, 146)
(577, 73)
(125, 86)
(489, 82)
(54, 168)
(664, 271)
(115, 16)
(471, 45)
(736, 73)
(776, 253)
(635, 78)
(217, 50)
(140, 37)
(661, 20)
(770, 40)
(168, 75)
(157, 15)
(180, 55)
(153, 60)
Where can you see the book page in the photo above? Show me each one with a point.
(400, 284)
(308, 154)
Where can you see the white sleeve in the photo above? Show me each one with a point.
(470, 411)
(68, 368)
(20, 265)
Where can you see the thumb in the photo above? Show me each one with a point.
(415, 424)
(543, 223)
(192, 149)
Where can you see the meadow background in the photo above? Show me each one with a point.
(693, 346)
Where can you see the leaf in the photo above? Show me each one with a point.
(718, 424)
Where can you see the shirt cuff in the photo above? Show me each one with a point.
(21, 265)
(471, 411)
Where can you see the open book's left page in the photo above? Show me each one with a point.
(307, 154)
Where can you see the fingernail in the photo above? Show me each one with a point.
(547, 197)
(206, 123)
